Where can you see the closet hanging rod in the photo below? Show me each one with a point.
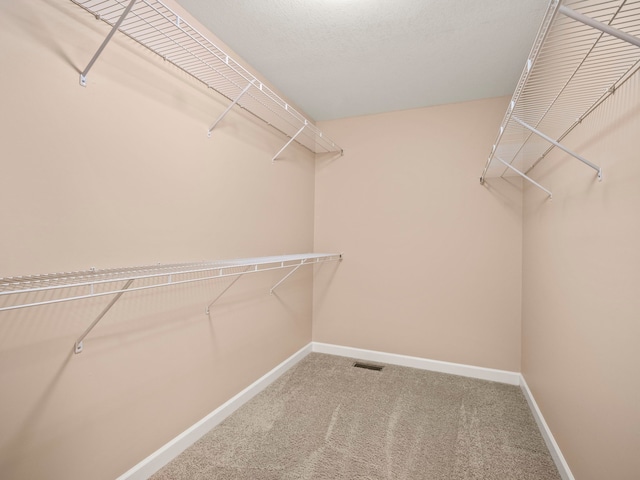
(172, 274)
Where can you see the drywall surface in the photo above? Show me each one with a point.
(432, 259)
(581, 308)
(121, 173)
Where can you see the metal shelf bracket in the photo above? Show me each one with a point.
(526, 177)
(285, 277)
(596, 61)
(116, 26)
(117, 281)
(207, 310)
(235, 101)
(289, 142)
(560, 146)
(78, 345)
(164, 32)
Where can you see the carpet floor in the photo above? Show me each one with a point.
(326, 419)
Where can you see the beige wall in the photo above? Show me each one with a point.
(121, 173)
(432, 259)
(581, 302)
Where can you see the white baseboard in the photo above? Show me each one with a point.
(175, 447)
(554, 449)
(172, 449)
(501, 376)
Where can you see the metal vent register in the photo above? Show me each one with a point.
(368, 366)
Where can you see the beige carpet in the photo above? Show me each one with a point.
(325, 419)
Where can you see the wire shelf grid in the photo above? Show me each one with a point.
(158, 28)
(93, 283)
(571, 70)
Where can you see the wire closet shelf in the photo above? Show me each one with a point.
(584, 51)
(158, 28)
(94, 283)
(37, 290)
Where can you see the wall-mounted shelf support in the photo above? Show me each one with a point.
(157, 27)
(560, 146)
(289, 142)
(78, 345)
(207, 310)
(526, 177)
(116, 26)
(584, 52)
(235, 101)
(97, 283)
(284, 278)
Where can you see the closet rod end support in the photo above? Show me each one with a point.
(77, 348)
(481, 180)
(599, 174)
(83, 80)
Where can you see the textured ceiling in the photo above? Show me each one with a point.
(342, 58)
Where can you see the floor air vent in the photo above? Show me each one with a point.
(368, 366)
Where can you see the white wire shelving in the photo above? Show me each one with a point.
(64, 287)
(584, 51)
(155, 26)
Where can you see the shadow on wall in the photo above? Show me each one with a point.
(41, 30)
(50, 393)
(27, 431)
(504, 189)
(197, 100)
(323, 282)
(324, 160)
